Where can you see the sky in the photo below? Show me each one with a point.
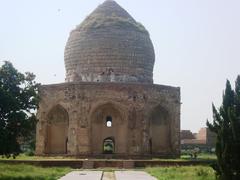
(197, 44)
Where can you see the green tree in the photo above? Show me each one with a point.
(226, 124)
(18, 102)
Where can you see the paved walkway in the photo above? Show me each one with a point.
(83, 175)
(99, 175)
(108, 176)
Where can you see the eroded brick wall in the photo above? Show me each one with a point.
(131, 107)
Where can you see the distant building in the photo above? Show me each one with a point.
(207, 136)
(186, 134)
(204, 138)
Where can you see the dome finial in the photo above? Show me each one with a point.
(110, 1)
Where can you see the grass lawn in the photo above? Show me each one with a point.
(182, 173)
(201, 156)
(26, 157)
(28, 172)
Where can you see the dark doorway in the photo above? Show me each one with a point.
(150, 146)
(108, 146)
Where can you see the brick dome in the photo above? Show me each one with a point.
(109, 46)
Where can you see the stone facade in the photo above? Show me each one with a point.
(145, 119)
(109, 106)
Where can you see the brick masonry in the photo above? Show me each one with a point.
(134, 105)
(109, 61)
(109, 46)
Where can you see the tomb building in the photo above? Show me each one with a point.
(109, 103)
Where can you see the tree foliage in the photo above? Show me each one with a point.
(18, 100)
(226, 124)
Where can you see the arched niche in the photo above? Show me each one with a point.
(159, 131)
(57, 130)
(108, 145)
(107, 121)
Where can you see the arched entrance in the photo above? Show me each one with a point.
(159, 140)
(108, 130)
(57, 131)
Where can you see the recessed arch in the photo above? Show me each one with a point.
(107, 120)
(101, 108)
(57, 130)
(159, 131)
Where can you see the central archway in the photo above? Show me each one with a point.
(108, 130)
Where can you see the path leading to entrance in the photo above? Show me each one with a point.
(99, 175)
(108, 176)
(83, 175)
